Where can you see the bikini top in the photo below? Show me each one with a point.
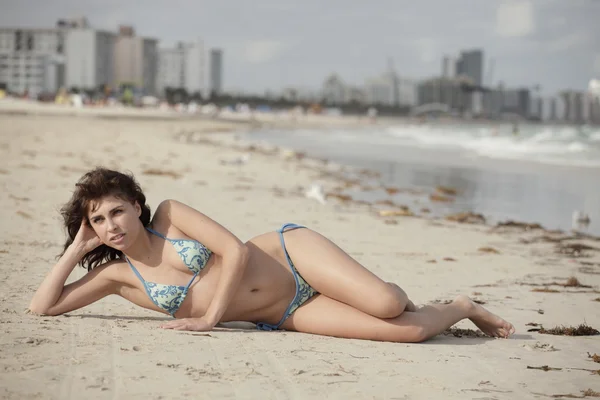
(169, 297)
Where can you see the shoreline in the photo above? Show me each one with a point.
(113, 349)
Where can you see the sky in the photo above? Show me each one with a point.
(273, 44)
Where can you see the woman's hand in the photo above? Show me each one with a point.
(86, 239)
(189, 324)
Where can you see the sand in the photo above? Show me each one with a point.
(114, 350)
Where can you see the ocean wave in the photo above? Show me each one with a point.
(554, 145)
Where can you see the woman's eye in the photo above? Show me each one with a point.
(118, 211)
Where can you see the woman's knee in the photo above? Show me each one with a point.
(414, 334)
(390, 303)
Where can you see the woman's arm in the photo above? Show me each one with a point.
(53, 297)
(220, 241)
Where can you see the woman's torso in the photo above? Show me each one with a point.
(264, 292)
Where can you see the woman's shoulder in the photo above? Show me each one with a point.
(161, 221)
(112, 269)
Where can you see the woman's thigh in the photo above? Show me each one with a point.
(332, 272)
(322, 315)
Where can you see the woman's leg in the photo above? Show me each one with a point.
(325, 316)
(332, 272)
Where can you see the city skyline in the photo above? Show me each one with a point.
(272, 45)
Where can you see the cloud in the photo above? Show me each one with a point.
(514, 18)
(262, 51)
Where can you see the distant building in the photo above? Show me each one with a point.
(391, 90)
(89, 58)
(182, 68)
(448, 67)
(216, 70)
(493, 102)
(135, 60)
(470, 65)
(32, 60)
(71, 23)
(553, 113)
(573, 102)
(171, 70)
(356, 95)
(380, 90)
(517, 101)
(334, 90)
(536, 108)
(595, 110)
(194, 67)
(448, 91)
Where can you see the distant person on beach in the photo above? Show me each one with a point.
(182, 263)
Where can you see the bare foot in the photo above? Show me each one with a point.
(490, 324)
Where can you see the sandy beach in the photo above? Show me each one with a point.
(114, 350)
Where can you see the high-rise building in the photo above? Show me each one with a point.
(171, 71)
(135, 60)
(380, 90)
(517, 101)
(182, 67)
(448, 67)
(470, 65)
(32, 60)
(573, 101)
(216, 70)
(194, 67)
(448, 91)
(89, 58)
(391, 90)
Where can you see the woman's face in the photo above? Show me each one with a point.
(115, 221)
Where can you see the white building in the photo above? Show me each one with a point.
(32, 60)
(89, 58)
(170, 73)
(391, 90)
(182, 67)
(193, 71)
(380, 91)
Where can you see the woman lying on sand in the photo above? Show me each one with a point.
(184, 264)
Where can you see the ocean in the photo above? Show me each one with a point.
(540, 174)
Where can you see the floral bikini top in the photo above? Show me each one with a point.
(169, 297)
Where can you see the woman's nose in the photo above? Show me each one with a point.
(110, 224)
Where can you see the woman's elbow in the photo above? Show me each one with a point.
(242, 254)
(38, 310)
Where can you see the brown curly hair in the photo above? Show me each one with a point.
(92, 186)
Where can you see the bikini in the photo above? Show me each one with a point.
(303, 290)
(169, 297)
(195, 256)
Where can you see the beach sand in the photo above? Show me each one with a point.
(114, 350)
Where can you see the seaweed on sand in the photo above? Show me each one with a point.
(581, 330)
(458, 332)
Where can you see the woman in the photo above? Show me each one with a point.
(184, 264)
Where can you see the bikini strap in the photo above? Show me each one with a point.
(136, 271)
(157, 234)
